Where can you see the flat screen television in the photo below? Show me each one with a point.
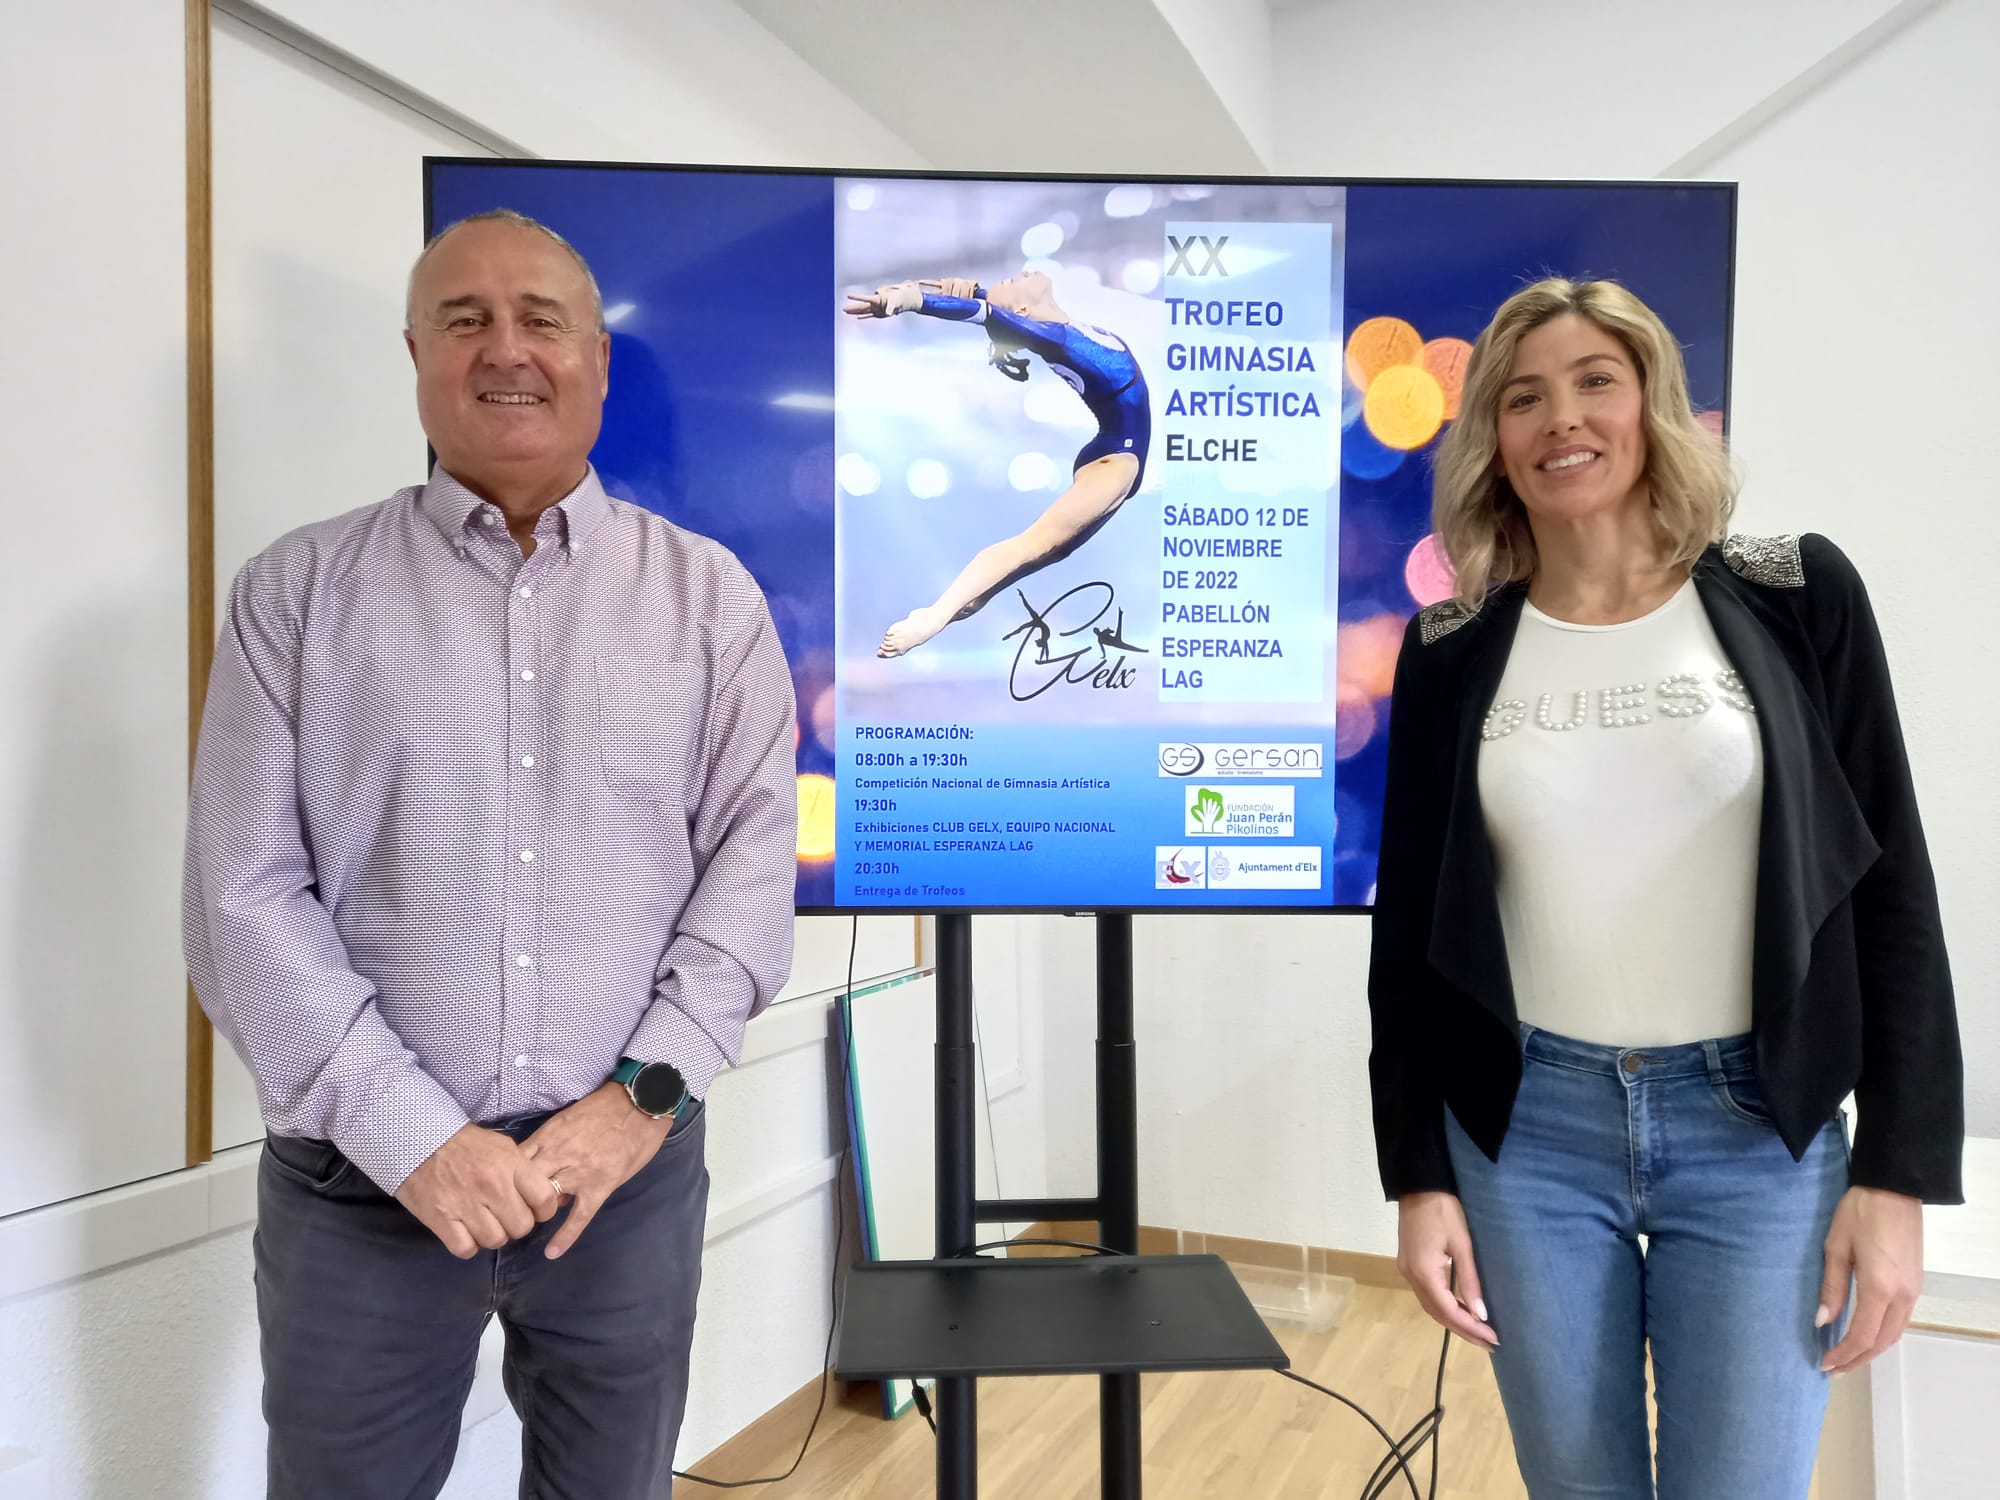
(1090, 511)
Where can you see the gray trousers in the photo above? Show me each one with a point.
(370, 1332)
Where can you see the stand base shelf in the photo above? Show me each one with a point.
(1048, 1316)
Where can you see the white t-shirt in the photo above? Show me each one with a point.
(1622, 780)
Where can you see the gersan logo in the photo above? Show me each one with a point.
(1271, 759)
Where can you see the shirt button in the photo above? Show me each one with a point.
(521, 1061)
(527, 856)
(529, 675)
(1634, 1063)
(490, 519)
(527, 760)
(523, 961)
(527, 593)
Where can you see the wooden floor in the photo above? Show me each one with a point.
(1229, 1437)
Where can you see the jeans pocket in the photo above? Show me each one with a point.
(684, 1124)
(318, 1166)
(1743, 1098)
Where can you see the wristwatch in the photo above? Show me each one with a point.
(655, 1088)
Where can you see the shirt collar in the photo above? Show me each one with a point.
(452, 507)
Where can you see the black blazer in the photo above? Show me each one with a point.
(1850, 986)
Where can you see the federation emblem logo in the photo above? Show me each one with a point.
(1180, 868)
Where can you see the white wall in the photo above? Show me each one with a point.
(1462, 88)
(630, 80)
(1049, 86)
(93, 620)
(1865, 391)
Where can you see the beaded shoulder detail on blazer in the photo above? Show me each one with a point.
(1772, 561)
(1436, 621)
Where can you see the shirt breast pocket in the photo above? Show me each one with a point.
(649, 726)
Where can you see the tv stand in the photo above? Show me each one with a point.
(959, 1316)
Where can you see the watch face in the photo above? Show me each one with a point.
(658, 1088)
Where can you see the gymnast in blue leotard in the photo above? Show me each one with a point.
(1021, 318)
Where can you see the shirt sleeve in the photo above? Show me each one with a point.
(732, 950)
(1910, 1134)
(1403, 1072)
(267, 963)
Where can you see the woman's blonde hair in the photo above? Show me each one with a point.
(1482, 526)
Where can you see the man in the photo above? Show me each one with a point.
(490, 859)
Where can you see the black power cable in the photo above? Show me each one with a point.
(1401, 1450)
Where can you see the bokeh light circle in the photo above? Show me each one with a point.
(1404, 406)
(927, 479)
(1446, 360)
(1041, 240)
(1354, 721)
(1365, 458)
(821, 714)
(1428, 572)
(1031, 471)
(1128, 201)
(1141, 276)
(816, 816)
(1379, 344)
(1367, 654)
(856, 475)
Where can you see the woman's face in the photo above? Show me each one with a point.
(1021, 292)
(1571, 431)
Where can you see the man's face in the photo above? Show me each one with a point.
(511, 366)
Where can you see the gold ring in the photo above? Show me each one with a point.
(556, 1183)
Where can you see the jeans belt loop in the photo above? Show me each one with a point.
(1712, 1054)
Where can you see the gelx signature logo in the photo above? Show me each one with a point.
(1079, 639)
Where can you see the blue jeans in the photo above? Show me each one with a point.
(1672, 1143)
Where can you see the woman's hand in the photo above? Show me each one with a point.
(1431, 1239)
(886, 301)
(1878, 1237)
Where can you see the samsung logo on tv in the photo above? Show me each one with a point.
(1184, 758)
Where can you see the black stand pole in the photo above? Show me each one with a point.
(1116, 1205)
(1117, 1185)
(957, 1399)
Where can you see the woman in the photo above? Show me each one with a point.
(1653, 898)
(1019, 314)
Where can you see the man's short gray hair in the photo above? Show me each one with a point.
(519, 221)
